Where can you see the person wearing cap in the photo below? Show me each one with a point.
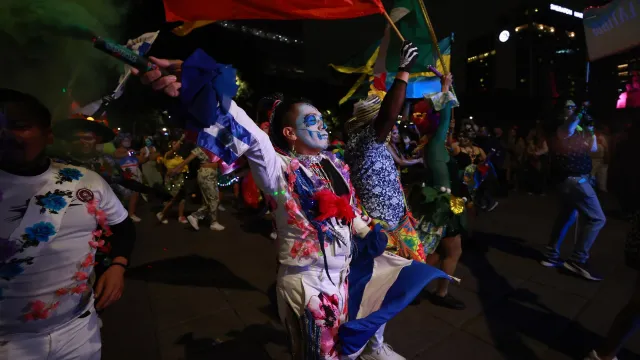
(54, 218)
(571, 166)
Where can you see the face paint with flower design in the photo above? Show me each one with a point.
(311, 128)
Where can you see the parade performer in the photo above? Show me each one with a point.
(473, 163)
(375, 176)
(54, 217)
(439, 204)
(208, 182)
(129, 161)
(174, 185)
(310, 192)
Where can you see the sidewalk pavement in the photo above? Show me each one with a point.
(203, 295)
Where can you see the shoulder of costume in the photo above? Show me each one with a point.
(85, 172)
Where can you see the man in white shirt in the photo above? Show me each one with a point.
(53, 218)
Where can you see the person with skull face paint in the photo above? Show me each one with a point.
(315, 212)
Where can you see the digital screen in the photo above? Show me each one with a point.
(630, 95)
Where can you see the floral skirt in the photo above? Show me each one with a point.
(312, 309)
(404, 240)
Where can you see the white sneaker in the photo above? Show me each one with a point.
(216, 226)
(193, 221)
(594, 356)
(135, 218)
(221, 208)
(161, 218)
(384, 352)
(273, 235)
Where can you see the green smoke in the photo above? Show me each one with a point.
(45, 52)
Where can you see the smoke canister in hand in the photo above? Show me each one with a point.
(124, 54)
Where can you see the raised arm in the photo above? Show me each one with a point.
(205, 88)
(394, 100)
(442, 102)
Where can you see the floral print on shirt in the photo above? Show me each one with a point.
(375, 177)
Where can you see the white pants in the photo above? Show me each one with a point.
(78, 339)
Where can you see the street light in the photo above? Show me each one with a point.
(164, 129)
(504, 36)
(118, 129)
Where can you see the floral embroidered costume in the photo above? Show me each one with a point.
(53, 225)
(313, 204)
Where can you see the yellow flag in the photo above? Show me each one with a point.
(189, 26)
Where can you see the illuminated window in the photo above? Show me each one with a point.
(623, 66)
(623, 73)
(523, 80)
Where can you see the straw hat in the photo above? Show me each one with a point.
(66, 129)
(364, 111)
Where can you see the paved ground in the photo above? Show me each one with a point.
(203, 295)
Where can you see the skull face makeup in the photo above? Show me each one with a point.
(310, 127)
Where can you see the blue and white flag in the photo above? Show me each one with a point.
(141, 45)
(379, 288)
(207, 91)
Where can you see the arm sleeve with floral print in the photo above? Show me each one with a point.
(108, 202)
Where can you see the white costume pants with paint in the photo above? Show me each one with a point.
(78, 339)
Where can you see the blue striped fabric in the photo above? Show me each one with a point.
(411, 278)
(207, 91)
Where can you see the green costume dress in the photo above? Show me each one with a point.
(436, 203)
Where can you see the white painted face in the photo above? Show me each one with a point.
(310, 127)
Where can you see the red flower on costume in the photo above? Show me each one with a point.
(96, 244)
(80, 276)
(325, 312)
(79, 289)
(40, 310)
(304, 249)
(330, 205)
(88, 261)
(62, 291)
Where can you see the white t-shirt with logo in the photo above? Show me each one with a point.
(55, 263)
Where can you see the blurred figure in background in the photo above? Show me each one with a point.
(627, 186)
(174, 185)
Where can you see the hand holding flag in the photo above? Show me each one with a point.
(408, 56)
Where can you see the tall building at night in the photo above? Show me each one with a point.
(535, 55)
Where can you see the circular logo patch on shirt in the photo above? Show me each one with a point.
(84, 195)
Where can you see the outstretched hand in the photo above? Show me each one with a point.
(408, 56)
(169, 84)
